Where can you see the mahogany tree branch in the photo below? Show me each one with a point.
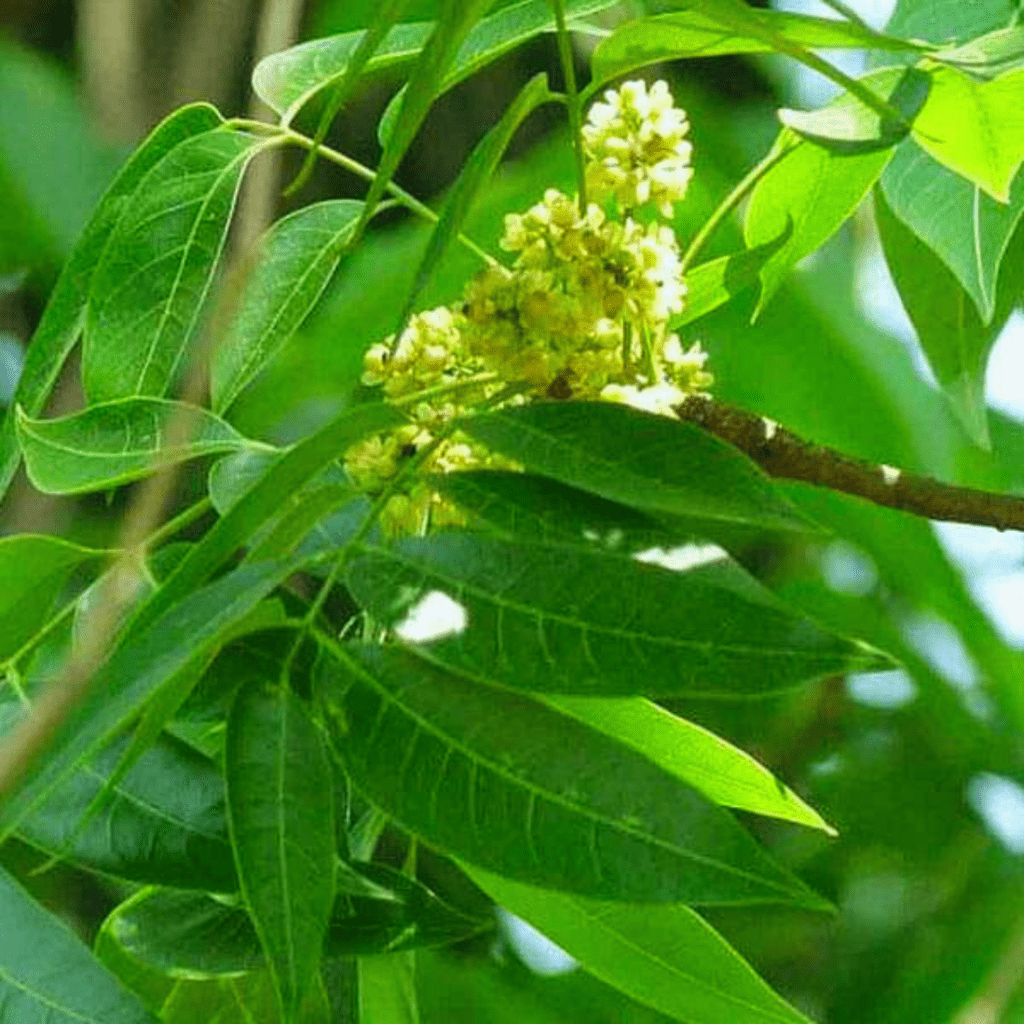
(782, 454)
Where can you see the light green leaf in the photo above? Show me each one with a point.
(967, 229)
(149, 289)
(247, 999)
(722, 772)
(975, 128)
(988, 56)
(696, 32)
(474, 175)
(943, 20)
(286, 81)
(166, 823)
(509, 784)
(46, 974)
(297, 258)
(387, 989)
(953, 336)
(281, 812)
(552, 619)
(650, 463)
(116, 442)
(263, 500)
(665, 957)
(34, 570)
(120, 689)
(64, 315)
(813, 188)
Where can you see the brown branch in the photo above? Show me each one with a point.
(782, 454)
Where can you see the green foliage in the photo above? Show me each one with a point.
(471, 639)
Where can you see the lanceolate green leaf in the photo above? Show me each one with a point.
(650, 463)
(552, 619)
(281, 810)
(991, 55)
(665, 957)
(46, 974)
(474, 175)
(64, 315)
(967, 229)
(120, 689)
(952, 334)
(975, 128)
(190, 934)
(34, 570)
(166, 823)
(722, 772)
(511, 785)
(116, 442)
(696, 32)
(287, 80)
(271, 492)
(149, 289)
(387, 989)
(297, 259)
(813, 188)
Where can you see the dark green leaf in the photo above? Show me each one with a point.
(297, 259)
(281, 810)
(722, 772)
(814, 190)
(166, 823)
(552, 619)
(189, 934)
(474, 175)
(64, 315)
(34, 571)
(46, 974)
(120, 689)
(511, 785)
(662, 956)
(287, 80)
(147, 293)
(263, 500)
(696, 32)
(967, 229)
(116, 442)
(650, 463)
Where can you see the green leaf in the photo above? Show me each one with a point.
(665, 957)
(953, 336)
(967, 229)
(989, 56)
(191, 935)
(476, 172)
(166, 823)
(387, 989)
(281, 811)
(248, 999)
(813, 188)
(286, 81)
(116, 442)
(509, 784)
(120, 689)
(535, 508)
(552, 619)
(46, 974)
(64, 315)
(943, 20)
(34, 570)
(975, 128)
(263, 500)
(712, 284)
(696, 32)
(650, 463)
(148, 292)
(297, 258)
(722, 772)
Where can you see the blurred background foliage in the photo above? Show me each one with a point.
(920, 771)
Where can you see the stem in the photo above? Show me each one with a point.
(733, 199)
(178, 523)
(572, 101)
(784, 455)
(445, 389)
(849, 14)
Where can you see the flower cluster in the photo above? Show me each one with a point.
(583, 311)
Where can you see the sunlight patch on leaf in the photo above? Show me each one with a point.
(686, 556)
(433, 617)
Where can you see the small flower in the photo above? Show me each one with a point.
(661, 398)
